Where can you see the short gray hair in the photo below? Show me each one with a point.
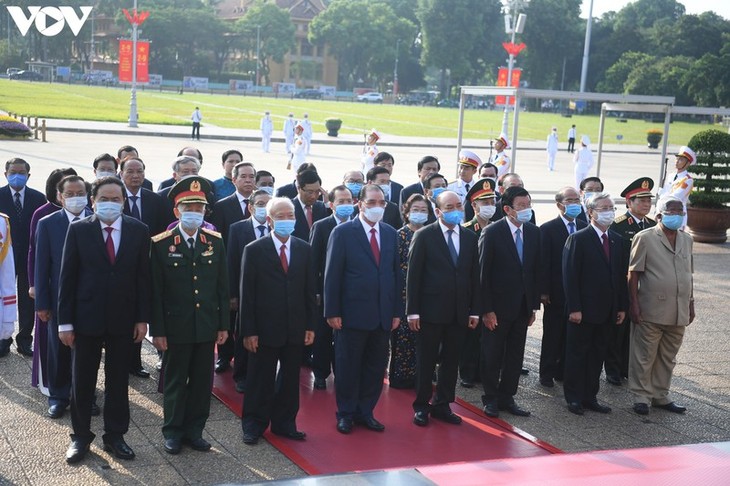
(593, 202)
(275, 201)
(661, 206)
(184, 159)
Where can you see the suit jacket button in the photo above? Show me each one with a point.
(196, 291)
(197, 306)
(174, 264)
(195, 277)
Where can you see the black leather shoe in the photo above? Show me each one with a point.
(76, 451)
(597, 407)
(293, 435)
(173, 446)
(515, 409)
(371, 424)
(614, 380)
(420, 419)
(198, 444)
(140, 372)
(672, 407)
(119, 448)
(449, 417)
(547, 382)
(250, 438)
(95, 410)
(576, 408)
(24, 349)
(320, 384)
(5, 347)
(641, 408)
(524, 372)
(491, 410)
(241, 386)
(56, 411)
(344, 426)
(222, 366)
(467, 383)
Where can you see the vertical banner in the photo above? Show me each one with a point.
(143, 61)
(125, 61)
(502, 81)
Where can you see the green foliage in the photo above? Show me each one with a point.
(713, 162)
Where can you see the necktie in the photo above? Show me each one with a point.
(374, 246)
(134, 208)
(18, 205)
(262, 230)
(76, 218)
(246, 213)
(282, 257)
(606, 248)
(518, 243)
(466, 186)
(191, 243)
(452, 248)
(641, 225)
(110, 245)
(309, 216)
(571, 228)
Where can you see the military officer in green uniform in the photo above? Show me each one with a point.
(482, 199)
(189, 313)
(638, 203)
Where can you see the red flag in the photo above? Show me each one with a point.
(502, 81)
(512, 48)
(143, 59)
(125, 61)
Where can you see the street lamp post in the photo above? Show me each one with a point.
(395, 70)
(258, 52)
(133, 96)
(586, 50)
(514, 23)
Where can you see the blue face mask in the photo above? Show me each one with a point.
(260, 214)
(268, 189)
(191, 220)
(284, 227)
(17, 181)
(417, 218)
(453, 217)
(524, 215)
(354, 188)
(572, 210)
(344, 211)
(108, 211)
(672, 221)
(435, 192)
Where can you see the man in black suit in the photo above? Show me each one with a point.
(594, 278)
(276, 323)
(103, 302)
(126, 151)
(188, 152)
(105, 165)
(323, 353)
(553, 235)
(426, 166)
(19, 202)
(184, 165)
(589, 187)
(307, 208)
(241, 234)
(381, 177)
(392, 194)
(290, 190)
(508, 180)
(234, 208)
(509, 249)
(442, 293)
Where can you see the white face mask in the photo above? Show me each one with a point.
(487, 212)
(605, 218)
(75, 205)
(100, 174)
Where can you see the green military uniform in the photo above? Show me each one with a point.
(190, 307)
(473, 225)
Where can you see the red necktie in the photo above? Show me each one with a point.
(374, 246)
(282, 257)
(110, 244)
(309, 216)
(606, 248)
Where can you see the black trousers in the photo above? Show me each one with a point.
(85, 359)
(226, 351)
(59, 368)
(471, 354)
(585, 349)
(323, 350)
(552, 349)
(571, 145)
(26, 308)
(442, 343)
(196, 130)
(502, 352)
(240, 356)
(617, 349)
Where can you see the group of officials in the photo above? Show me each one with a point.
(458, 270)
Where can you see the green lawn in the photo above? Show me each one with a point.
(110, 104)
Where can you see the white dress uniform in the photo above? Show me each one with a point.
(9, 306)
(552, 149)
(680, 184)
(307, 133)
(461, 188)
(502, 161)
(299, 151)
(583, 160)
(369, 152)
(267, 129)
(289, 125)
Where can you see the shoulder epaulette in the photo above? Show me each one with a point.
(211, 232)
(162, 236)
(649, 219)
(620, 219)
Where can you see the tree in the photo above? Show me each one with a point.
(690, 35)
(616, 75)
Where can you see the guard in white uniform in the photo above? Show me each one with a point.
(8, 295)
(267, 129)
(369, 151)
(552, 148)
(289, 124)
(583, 160)
(307, 131)
(501, 159)
(299, 147)
(680, 183)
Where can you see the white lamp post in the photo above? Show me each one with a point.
(514, 23)
(133, 97)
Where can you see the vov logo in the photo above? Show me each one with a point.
(58, 17)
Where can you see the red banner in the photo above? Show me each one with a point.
(502, 81)
(125, 61)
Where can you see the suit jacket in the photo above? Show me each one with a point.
(552, 236)
(408, 191)
(395, 190)
(164, 192)
(98, 297)
(507, 284)
(367, 296)
(392, 215)
(240, 234)
(594, 285)
(20, 225)
(51, 234)
(190, 297)
(154, 211)
(277, 307)
(226, 212)
(318, 239)
(166, 183)
(437, 290)
(287, 190)
(301, 229)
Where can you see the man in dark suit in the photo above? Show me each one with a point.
(126, 151)
(589, 187)
(290, 190)
(386, 160)
(19, 202)
(307, 208)
(508, 180)
(241, 234)
(103, 301)
(362, 303)
(197, 155)
(234, 208)
(426, 166)
(442, 303)
(323, 352)
(509, 249)
(50, 236)
(553, 235)
(594, 278)
(148, 207)
(190, 301)
(276, 323)
(381, 177)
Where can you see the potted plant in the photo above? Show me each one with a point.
(333, 126)
(708, 213)
(11, 128)
(653, 137)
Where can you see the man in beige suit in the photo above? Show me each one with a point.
(662, 305)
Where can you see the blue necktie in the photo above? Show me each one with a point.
(452, 248)
(518, 243)
(262, 230)
(571, 227)
(134, 208)
(18, 205)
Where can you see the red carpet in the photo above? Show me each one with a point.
(403, 444)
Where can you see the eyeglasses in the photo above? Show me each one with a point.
(604, 210)
(373, 202)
